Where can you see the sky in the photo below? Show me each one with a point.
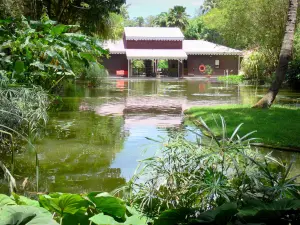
(146, 8)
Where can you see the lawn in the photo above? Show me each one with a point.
(278, 126)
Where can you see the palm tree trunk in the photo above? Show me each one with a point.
(284, 58)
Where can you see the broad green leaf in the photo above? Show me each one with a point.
(89, 57)
(254, 210)
(136, 220)
(58, 29)
(21, 200)
(103, 219)
(19, 66)
(29, 215)
(64, 204)
(108, 204)
(5, 200)
(219, 216)
(173, 216)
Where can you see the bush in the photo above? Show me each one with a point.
(24, 110)
(293, 74)
(207, 173)
(96, 74)
(163, 64)
(259, 65)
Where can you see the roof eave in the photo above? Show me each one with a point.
(153, 39)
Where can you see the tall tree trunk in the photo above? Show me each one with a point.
(285, 56)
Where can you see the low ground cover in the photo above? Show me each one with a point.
(233, 79)
(278, 126)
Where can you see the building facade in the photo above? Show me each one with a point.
(185, 57)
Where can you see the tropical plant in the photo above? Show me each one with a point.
(39, 52)
(161, 20)
(208, 172)
(163, 64)
(91, 15)
(259, 65)
(68, 209)
(284, 57)
(283, 212)
(96, 74)
(209, 70)
(178, 17)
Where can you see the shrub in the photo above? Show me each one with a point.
(96, 74)
(40, 52)
(293, 74)
(207, 173)
(259, 65)
(163, 64)
(209, 70)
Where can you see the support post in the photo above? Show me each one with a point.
(178, 69)
(239, 64)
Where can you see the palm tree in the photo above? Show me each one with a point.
(161, 20)
(285, 56)
(178, 17)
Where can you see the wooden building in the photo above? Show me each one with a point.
(185, 57)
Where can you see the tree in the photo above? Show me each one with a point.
(162, 20)
(178, 17)
(150, 21)
(208, 5)
(91, 15)
(140, 21)
(285, 56)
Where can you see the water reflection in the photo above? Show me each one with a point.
(98, 135)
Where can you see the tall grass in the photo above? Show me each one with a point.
(23, 117)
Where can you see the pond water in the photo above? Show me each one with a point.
(95, 140)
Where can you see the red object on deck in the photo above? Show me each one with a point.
(123, 73)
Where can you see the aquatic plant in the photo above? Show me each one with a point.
(207, 171)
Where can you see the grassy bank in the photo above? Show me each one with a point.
(278, 126)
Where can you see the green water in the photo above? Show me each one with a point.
(94, 141)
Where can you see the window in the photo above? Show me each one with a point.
(217, 64)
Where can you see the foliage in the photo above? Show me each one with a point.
(285, 211)
(163, 64)
(250, 23)
(138, 64)
(69, 209)
(197, 29)
(24, 109)
(91, 15)
(39, 52)
(233, 79)
(208, 5)
(96, 74)
(176, 17)
(293, 74)
(209, 70)
(259, 65)
(208, 172)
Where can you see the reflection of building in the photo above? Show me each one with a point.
(152, 44)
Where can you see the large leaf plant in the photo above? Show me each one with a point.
(40, 52)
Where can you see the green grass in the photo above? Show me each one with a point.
(278, 126)
(234, 79)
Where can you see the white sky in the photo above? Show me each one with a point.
(146, 8)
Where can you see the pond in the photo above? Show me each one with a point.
(95, 140)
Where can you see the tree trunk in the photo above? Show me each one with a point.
(285, 56)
